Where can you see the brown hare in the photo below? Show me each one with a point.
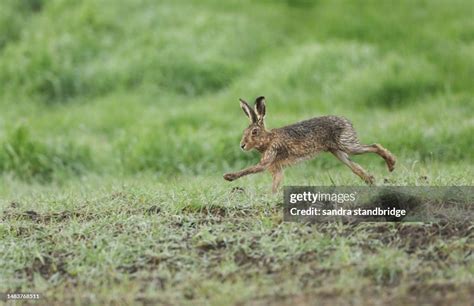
(300, 141)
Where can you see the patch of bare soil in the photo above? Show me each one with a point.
(31, 215)
(46, 266)
(411, 236)
(438, 294)
(442, 293)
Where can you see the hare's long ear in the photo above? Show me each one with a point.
(248, 111)
(260, 108)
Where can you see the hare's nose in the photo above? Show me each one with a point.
(242, 146)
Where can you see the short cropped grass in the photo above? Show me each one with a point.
(142, 240)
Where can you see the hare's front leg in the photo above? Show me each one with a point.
(277, 177)
(250, 170)
(264, 163)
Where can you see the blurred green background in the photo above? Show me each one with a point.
(124, 87)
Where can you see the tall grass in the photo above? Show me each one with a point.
(30, 159)
(153, 86)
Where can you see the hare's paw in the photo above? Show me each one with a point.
(391, 160)
(369, 179)
(230, 176)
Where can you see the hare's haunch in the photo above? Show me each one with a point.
(303, 140)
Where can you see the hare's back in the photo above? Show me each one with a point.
(326, 132)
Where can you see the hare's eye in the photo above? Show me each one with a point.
(254, 132)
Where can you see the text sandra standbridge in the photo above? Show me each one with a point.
(377, 204)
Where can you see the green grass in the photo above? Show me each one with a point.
(117, 121)
(202, 243)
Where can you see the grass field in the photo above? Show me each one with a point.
(118, 120)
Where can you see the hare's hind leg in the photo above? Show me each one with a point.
(356, 168)
(378, 149)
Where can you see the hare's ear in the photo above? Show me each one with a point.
(248, 111)
(260, 108)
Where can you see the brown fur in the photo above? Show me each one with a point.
(290, 144)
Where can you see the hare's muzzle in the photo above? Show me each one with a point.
(242, 146)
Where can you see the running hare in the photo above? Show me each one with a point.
(303, 140)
